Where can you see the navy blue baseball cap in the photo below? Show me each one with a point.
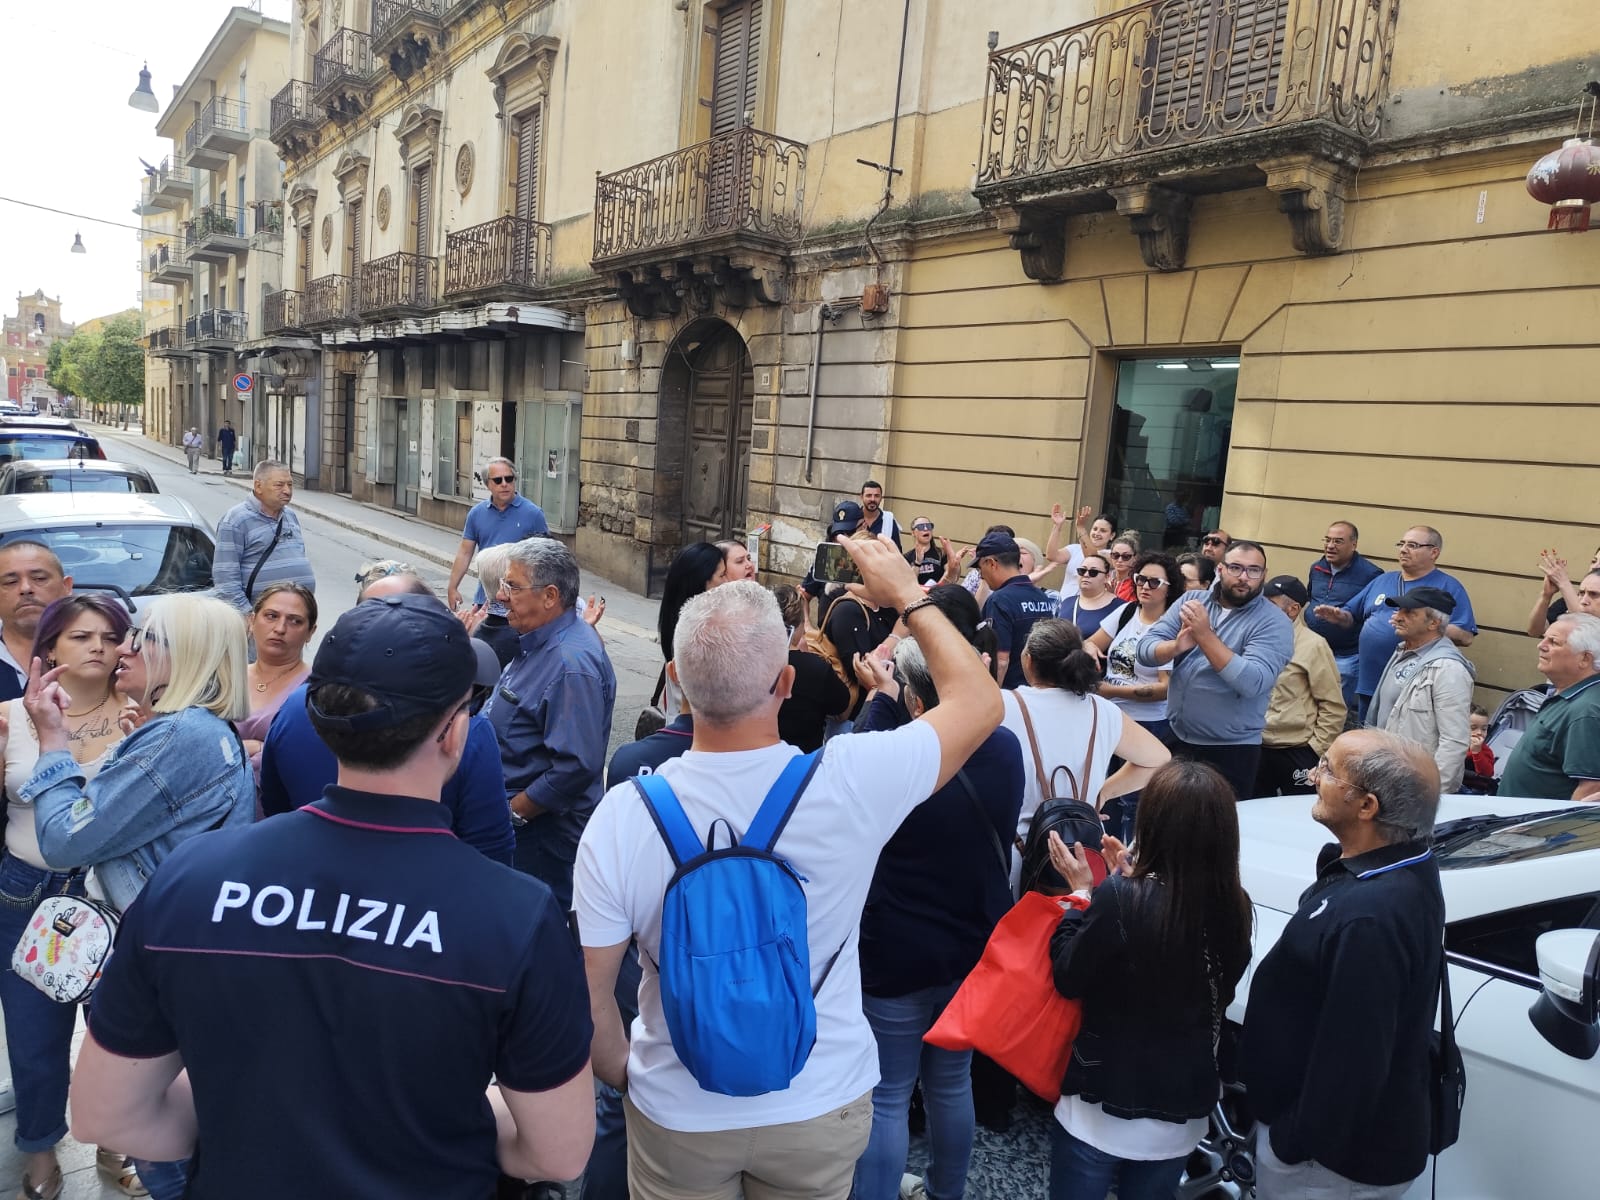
(408, 651)
(997, 543)
(846, 519)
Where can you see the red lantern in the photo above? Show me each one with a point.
(1568, 180)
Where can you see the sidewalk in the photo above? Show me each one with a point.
(627, 612)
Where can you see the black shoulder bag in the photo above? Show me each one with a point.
(1447, 1072)
(250, 584)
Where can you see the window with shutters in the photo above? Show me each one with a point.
(1216, 66)
(737, 71)
(353, 238)
(421, 208)
(305, 255)
(524, 156)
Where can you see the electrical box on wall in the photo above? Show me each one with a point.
(628, 351)
(875, 299)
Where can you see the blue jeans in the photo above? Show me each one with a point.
(533, 855)
(165, 1180)
(1080, 1172)
(899, 1023)
(606, 1177)
(1349, 667)
(1118, 814)
(38, 1030)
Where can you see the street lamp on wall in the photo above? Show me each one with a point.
(143, 98)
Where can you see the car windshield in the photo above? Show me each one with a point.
(43, 445)
(35, 482)
(1489, 840)
(139, 560)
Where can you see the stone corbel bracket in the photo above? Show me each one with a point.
(1159, 218)
(1040, 235)
(699, 283)
(1311, 193)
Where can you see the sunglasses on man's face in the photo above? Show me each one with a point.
(1090, 572)
(502, 479)
(1214, 541)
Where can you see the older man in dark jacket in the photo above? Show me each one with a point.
(1335, 1051)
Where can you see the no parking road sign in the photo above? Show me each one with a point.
(243, 382)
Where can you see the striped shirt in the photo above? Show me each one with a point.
(246, 533)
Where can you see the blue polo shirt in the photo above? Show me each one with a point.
(342, 984)
(1327, 586)
(490, 526)
(296, 765)
(645, 755)
(1378, 638)
(551, 713)
(1011, 609)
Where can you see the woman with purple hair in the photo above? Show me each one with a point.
(81, 634)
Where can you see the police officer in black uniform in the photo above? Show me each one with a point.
(342, 983)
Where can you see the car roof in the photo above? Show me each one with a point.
(23, 421)
(48, 466)
(1279, 842)
(55, 510)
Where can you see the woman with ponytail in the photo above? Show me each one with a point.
(1054, 716)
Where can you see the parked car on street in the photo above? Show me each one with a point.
(31, 476)
(130, 545)
(1521, 885)
(23, 438)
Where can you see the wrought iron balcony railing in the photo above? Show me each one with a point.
(268, 218)
(168, 337)
(389, 15)
(741, 182)
(216, 326)
(345, 58)
(215, 219)
(283, 311)
(226, 115)
(291, 109)
(327, 301)
(507, 252)
(397, 281)
(1170, 73)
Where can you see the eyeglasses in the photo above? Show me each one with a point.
(1213, 541)
(923, 526)
(1123, 557)
(1148, 581)
(502, 479)
(1239, 569)
(1334, 541)
(465, 707)
(507, 586)
(1092, 572)
(1415, 546)
(1320, 772)
(137, 637)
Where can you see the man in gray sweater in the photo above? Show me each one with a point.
(1227, 650)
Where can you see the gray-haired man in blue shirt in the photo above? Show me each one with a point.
(1227, 651)
(551, 712)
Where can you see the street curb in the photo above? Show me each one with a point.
(412, 549)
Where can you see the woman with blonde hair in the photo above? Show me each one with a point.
(181, 771)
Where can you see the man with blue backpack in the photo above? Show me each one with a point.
(741, 868)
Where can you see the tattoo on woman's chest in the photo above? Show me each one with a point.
(91, 731)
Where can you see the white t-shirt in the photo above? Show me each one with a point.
(1061, 721)
(1069, 585)
(1139, 1139)
(865, 787)
(1123, 666)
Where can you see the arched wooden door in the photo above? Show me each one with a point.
(717, 457)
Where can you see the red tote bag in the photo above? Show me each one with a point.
(1008, 1008)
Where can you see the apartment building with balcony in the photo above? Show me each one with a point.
(218, 194)
(158, 301)
(703, 267)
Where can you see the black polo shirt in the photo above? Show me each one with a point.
(1011, 609)
(1335, 1050)
(342, 982)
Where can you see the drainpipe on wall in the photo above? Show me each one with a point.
(825, 312)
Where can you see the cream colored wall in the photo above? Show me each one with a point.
(1435, 374)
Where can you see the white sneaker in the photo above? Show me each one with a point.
(913, 1188)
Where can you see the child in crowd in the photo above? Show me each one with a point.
(1479, 779)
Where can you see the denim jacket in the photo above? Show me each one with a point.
(181, 774)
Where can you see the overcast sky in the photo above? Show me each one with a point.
(73, 143)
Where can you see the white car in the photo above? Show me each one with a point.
(1521, 885)
(129, 545)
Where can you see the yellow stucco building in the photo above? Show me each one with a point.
(703, 266)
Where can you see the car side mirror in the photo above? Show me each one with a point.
(1567, 1012)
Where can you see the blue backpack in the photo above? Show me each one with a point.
(735, 968)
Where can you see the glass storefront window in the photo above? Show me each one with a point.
(1169, 448)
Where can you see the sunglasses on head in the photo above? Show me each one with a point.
(1090, 572)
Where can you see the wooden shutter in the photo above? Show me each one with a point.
(355, 237)
(1249, 36)
(738, 67)
(1255, 42)
(422, 181)
(1180, 49)
(525, 204)
(305, 255)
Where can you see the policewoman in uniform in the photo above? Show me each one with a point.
(343, 982)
